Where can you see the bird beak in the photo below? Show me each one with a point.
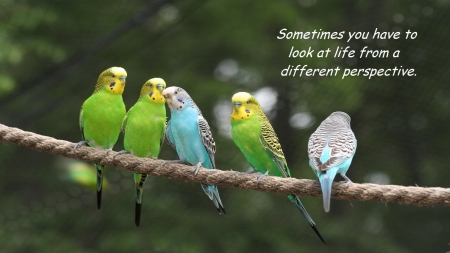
(159, 86)
(122, 78)
(168, 98)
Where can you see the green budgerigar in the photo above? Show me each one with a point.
(144, 127)
(102, 114)
(255, 137)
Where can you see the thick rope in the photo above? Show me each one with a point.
(420, 196)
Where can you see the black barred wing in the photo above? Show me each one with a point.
(272, 145)
(342, 145)
(207, 139)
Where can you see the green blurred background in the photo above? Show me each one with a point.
(53, 51)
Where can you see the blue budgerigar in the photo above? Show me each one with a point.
(330, 150)
(189, 133)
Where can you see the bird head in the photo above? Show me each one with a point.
(244, 106)
(176, 98)
(340, 116)
(112, 80)
(152, 90)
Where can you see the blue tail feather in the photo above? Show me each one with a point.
(326, 182)
(213, 193)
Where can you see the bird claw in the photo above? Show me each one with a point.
(347, 180)
(263, 175)
(79, 144)
(175, 161)
(109, 150)
(247, 172)
(121, 153)
(197, 167)
(172, 161)
(238, 173)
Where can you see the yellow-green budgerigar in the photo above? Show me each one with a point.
(255, 137)
(144, 128)
(102, 114)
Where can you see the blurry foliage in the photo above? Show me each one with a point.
(51, 55)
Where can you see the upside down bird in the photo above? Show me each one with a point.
(144, 127)
(255, 137)
(189, 133)
(330, 150)
(101, 116)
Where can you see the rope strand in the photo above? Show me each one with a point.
(409, 195)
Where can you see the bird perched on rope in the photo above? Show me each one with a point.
(330, 150)
(101, 116)
(255, 137)
(189, 133)
(144, 127)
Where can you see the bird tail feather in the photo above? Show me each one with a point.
(139, 180)
(99, 184)
(326, 191)
(326, 181)
(302, 209)
(213, 193)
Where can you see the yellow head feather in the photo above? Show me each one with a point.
(245, 106)
(152, 90)
(112, 80)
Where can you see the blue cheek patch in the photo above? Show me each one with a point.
(150, 94)
(180, 100)
(112, 84)
(247, 110)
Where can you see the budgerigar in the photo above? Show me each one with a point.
(255, 137)
(102, 114)
(191, 136)
(144, 127)
(330, 150)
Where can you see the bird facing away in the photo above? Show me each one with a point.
(144, 127)
(190, 135)
(255, 137)
(101, 116)
(330, 150)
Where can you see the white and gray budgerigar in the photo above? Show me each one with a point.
(330, 150)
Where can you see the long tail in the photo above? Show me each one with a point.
(99, 184)
(213, 193)
(139, 180)
(326, 181)
(325, 184)
(305, 214)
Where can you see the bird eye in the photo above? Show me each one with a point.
(113, 76)
(176, 92)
